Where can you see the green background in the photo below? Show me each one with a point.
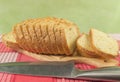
(101, 14)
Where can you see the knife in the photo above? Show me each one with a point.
(61, 70)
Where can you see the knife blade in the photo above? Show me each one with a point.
(61, 70)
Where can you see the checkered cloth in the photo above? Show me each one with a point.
(9, 55)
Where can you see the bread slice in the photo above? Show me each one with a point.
(40, 33)
(69, 37)
(103, 44)
(20, 37)
(52, 42)
(26, 37)
(42, 38)
(33, 37)
(84, 46)
(56, 44)
(37, 29)
(26, 34)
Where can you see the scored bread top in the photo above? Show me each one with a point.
(46, 35)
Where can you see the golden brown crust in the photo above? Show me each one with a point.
(101, 54)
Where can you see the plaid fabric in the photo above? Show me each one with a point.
(9, 55)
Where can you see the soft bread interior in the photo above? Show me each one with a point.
(8, 38)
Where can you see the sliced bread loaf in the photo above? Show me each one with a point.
(27, 34)
(103, 44)
(62, 37)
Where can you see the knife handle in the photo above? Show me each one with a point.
(103, 74)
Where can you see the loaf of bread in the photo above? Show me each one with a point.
(46, 35)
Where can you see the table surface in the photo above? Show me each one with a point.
(101, 14)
